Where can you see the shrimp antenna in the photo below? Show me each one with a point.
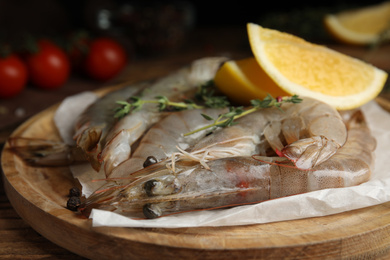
(111, 188)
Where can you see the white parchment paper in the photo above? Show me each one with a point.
(311, 204)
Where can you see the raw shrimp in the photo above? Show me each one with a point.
(114, 147)
(216, 172)
(94, 124)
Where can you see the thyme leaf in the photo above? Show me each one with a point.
(207, 117)
(206, 95)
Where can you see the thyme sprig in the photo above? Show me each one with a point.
(228, 119)
(205, 95)
(162, 102)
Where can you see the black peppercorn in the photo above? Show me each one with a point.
(73, 203)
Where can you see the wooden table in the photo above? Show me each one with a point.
(17, 239)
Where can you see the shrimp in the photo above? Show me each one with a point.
(94, 124)
(210, 175)
(115, 147)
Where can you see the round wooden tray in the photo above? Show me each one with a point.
(39, 196)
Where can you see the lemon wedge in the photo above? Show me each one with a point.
(360, 26)
(306, 69)
(243, 80)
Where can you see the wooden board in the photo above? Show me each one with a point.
(39, 196)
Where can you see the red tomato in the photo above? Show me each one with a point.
(105, 59)
(13, 76)
(49, 68)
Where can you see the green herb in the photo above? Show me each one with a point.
(205, 95)
(234, 113)
(162, 102)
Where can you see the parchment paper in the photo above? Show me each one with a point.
(311, 204)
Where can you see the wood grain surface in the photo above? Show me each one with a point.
(39, 196)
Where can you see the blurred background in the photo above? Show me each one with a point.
(154, 32)
(148, 26)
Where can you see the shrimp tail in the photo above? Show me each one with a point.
(310, 151)
(41, 152)
(88, 140)
(311, 134)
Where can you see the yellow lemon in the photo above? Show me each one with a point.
(243, 80)
(306, 69)
(359, 26)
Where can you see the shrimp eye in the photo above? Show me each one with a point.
(149, 161)
(151, 211)
(165, 185)
(148, 187)
(39, 154)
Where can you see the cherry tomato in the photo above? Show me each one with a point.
(49, 68)
(105, 59)
(13, 76)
